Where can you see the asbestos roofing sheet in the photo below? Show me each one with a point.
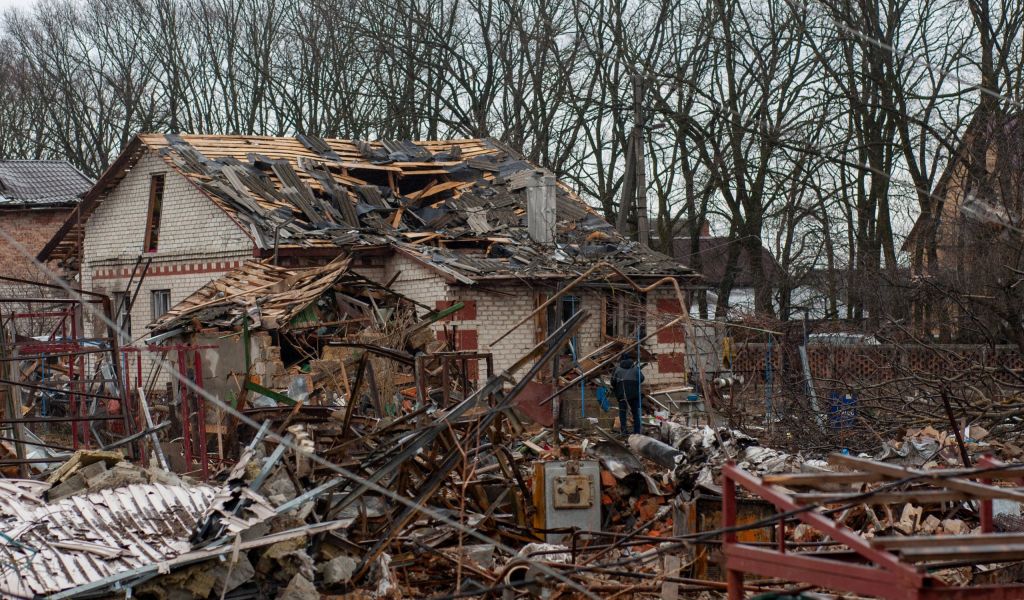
(77, 540)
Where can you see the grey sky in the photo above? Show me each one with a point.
(5, 4)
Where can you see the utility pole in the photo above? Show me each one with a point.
(634, 179)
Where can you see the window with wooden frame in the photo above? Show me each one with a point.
(160, 303)
(624, 314)
(156, 206)
(560, 312)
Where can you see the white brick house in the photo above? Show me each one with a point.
(198, 206)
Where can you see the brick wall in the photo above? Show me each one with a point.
(192, 225)
(410, 278)
(493, 308)
(31, 229)
(491, 312)
(669, 345)
(198, 242)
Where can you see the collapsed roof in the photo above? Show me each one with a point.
(453, 205)
(40, 183)
(276, 298)
(84, 539)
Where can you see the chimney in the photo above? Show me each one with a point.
(541, 212)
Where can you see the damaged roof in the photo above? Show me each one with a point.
(454, 205)
(40, 183)
(81, 539)
(272, 297)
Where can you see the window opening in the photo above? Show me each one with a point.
(624, 315)
(156, 205)
(123, 317)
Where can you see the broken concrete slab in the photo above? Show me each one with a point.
(300, 588)
(339, 569)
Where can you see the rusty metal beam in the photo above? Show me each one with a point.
(828, 574)
(554, 344)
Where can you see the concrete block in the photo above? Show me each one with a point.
(338, 570)
(300, 588)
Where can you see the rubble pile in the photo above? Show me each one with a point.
(367, 457)
(444, 500)
(408, 511)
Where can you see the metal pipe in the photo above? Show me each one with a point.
(154, 438)
(75, 419)
(62, 288)
(27, 461)
(50, 355)
(44, 300)
(201, 413)
(135, 436)
(40, 444)
(53, 389)
(605, 363)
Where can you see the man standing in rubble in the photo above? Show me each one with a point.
(626, 382)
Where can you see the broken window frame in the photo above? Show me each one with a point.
(558, 313)
(154, 212)
(122, 316)
(624, 313)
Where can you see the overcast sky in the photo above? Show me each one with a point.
(5, 4)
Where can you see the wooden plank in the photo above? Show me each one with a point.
(815, 480)
(917, 497)
(430, 172)
(921, 541)
(978, 490)
(974, 554)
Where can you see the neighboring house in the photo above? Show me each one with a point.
(938, 238)
(714, 262)
(36, 197)
(439, 222)
(964, 250)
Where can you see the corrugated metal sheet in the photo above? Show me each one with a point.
(51, 547)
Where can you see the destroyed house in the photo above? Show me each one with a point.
(439, 222)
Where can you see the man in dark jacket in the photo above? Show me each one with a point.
(626, 382)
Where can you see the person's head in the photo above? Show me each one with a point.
(626, 362)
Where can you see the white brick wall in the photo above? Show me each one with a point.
(671, 346)
(414, 280)
(191, 225)
(198, 242)
(498, 308)
(500, 305)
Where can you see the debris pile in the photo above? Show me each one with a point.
(360, 454)
(459, 499)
